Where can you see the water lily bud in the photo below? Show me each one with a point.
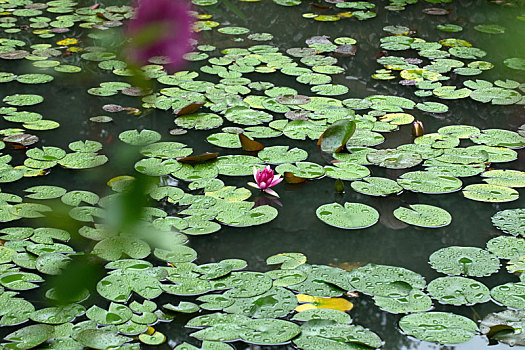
(417, 128)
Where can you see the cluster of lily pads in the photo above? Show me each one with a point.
(295, 302)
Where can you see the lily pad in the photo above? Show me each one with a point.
(349, 216)
(458, 291)
(511, 221)
(490, 193)
(450, 329)
(423, 215)
(468, 261)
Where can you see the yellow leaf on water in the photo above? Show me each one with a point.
(340, 304)
(68, 41)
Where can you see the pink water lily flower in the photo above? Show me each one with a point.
(265, 179)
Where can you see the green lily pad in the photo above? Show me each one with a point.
(30, 336)
(323, 314)
(394, 159)
(45, 192)
(351, 216)
(386, 281)
(509, 294)
(415, 301)
(139, 138)
(507, 178)
(347, 171)
(282, 154)
(423, 215)
(511, 221)
(336, 135)
(199, 121)
(490, 193)
(23, 100)
(58, 314)
(82, 160)
(306, 170)
(441, 327)
(497, 154)
(516, 63)
(269, 331)
(115, 247)
(500, 138)
(427, 182)
(468, 261)
(328, 334)
(247, 217)
(505, 247)
(101, 339)
(119, 285)
(376, 186)
(458, 291)
(364, 138)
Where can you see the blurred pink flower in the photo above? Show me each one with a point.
(160, 28)
(265, 179)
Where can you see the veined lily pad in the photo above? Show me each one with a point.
(500, 138)
(423, 215)
(511, 221)
(490, 193)
(328, 334)
(351, 216)
(250, 217)
(506, 247)
(347, 171)
(386, 281)
(510, 294)
(306, 170)
(376, 186)
(282, 154)
(139, 138)
(468, 261)
(507, 178)
(458, 291)
(427, 182)
(394, 159)
(415, 301)
(30, 336)
(323, 314)
(451, 328)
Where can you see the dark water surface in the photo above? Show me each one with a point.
(297, 229)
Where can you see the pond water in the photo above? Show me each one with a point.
(296, 228)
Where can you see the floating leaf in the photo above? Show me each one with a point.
(351, 216)
(450, 329)
(458, 291)
(336, 135)
(511, 221)
(423, 215)
(312, 302)
(504, 327)
(468, 261)
(490, 193)
(376, 186)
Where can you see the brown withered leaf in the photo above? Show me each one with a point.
(188, 109)
(198, 159)
(292, 179)
(249, 145)
(345, 50)
(21, 140)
